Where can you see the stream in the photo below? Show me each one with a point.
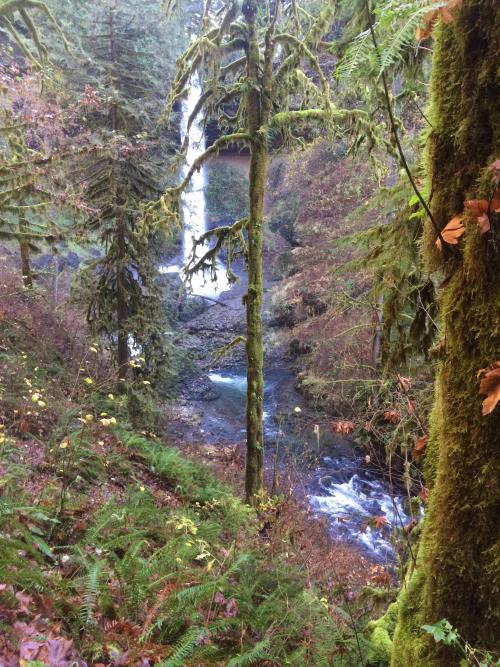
(335, 478)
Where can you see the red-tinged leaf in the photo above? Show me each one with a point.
(477, 206)
(483, 222)
(420, 446)
(490, 387)
(380, 521)
(452, 232)
(424, 494)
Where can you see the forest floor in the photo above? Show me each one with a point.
(119, 550)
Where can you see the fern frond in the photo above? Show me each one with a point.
(404, 36)
(253, 656)
(185, 648)
(91, 592)
(358, 52)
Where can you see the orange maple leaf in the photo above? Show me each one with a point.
(452, 232)
(380, 521)
(446, 12)
(490, 387)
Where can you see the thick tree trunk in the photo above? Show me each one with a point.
(457, 575)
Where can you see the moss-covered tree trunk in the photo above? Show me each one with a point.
(254, 480)
(457, 575)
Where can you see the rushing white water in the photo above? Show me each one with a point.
(343, 489)
(193, 207)
(352, 503)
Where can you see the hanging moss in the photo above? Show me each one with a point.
(457, 575)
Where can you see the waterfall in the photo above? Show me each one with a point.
(193, 206)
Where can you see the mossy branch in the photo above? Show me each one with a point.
(225, 236)
(225, 349)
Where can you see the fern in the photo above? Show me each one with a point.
(358, 52)
(253, 656)
(91, 592)
(185, 648)
(404, 36)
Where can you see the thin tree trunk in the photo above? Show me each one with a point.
(254, 475)
(121, 309)
(123, 352)
(254, 480)
(457, 574)
(25, 255)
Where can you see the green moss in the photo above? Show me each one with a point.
(380, 636)
(456, 576)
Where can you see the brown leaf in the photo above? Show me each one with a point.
(490, 387)
(420, 446)
(452, 232)
(343, 426)
(404, 383)
(392, 416)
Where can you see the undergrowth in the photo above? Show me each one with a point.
(116, 549)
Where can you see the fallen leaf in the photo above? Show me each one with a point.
(490, 387)
(343, 426)
(404, 383)
(420, 446)
(452, 232)
(380, 521)
(392, 416)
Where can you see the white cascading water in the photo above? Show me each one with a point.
(194, 216)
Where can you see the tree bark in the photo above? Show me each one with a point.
(123, 353)
(254, 475)
(457, 575)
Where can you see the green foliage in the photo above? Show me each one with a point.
(401, 290)
(443, 632)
